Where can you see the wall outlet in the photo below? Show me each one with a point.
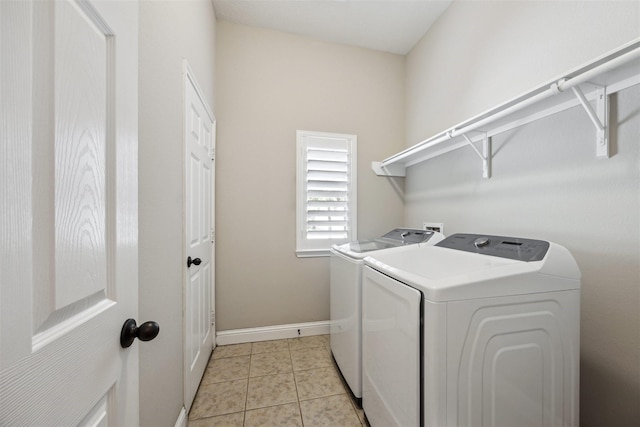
(434, 226)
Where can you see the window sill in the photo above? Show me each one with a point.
(313, 253)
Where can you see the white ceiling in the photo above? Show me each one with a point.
(388, 25)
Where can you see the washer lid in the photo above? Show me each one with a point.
(445, 274)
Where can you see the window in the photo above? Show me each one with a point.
(326, 191)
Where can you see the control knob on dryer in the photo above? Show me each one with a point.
(481, 241)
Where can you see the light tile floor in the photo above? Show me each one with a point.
(291, 382)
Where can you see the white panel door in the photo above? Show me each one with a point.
(68, 227)
(199, 143)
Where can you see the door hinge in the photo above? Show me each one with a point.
(213, 317)
(213, 236)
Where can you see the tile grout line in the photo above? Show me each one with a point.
(295, 382)
(246, 396)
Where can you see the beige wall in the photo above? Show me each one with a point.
(269, 84)
(169, 31)
(482, 53)
(546, 180)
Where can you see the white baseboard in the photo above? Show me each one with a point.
(182, 418)
(267, 333)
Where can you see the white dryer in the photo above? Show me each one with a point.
(346, 296)
(474, 331)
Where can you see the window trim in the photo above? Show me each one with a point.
(305, 247)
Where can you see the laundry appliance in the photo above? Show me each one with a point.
(346, 296)
(475, 331)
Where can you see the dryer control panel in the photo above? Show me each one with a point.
(500, 246)
(407, 236)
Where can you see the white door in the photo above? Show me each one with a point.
(199, 144)
(68, 222)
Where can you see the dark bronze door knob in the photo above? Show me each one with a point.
(130, 331)
(196, 261)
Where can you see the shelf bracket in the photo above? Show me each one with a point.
(599, 117)
(395, 170)
(485, 156)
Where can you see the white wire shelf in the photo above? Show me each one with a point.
(589, 86)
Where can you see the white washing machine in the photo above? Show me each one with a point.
(346, 296)
(474, 331)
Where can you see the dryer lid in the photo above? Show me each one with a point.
(442, 273)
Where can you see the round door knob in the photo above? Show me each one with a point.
(196, 261)
(130, 331)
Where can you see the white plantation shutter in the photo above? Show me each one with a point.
(326, 191)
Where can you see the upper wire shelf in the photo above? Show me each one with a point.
(589, 86)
